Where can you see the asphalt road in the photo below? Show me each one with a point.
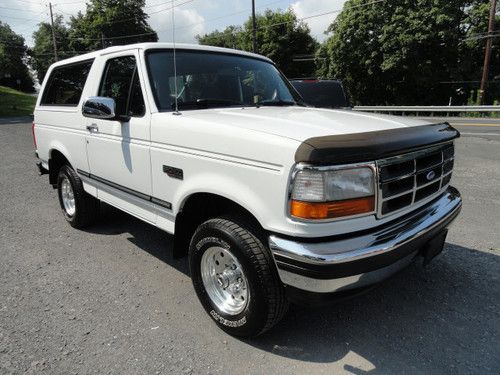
(112, 300)
(471, 121)
(469, 126)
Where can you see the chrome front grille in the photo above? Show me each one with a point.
(413, 178)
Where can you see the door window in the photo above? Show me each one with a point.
(121, 82)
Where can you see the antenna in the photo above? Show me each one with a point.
(175, 60)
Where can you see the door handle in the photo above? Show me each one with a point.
(93, 128)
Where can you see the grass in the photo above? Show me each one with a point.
(15, 103)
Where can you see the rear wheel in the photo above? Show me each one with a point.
(235, 277)
(79, 208)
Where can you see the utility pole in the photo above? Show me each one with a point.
(53, 32)
(487, 52)
(254, 29)
(102, 40)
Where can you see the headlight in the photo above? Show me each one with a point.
(328, 194)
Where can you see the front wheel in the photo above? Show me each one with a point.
(235, 278)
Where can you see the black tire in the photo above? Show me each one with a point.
(86, 206)
(267, 303)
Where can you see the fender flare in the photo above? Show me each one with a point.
(225, 187)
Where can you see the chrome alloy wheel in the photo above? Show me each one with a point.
(224, 280)
(67, 196)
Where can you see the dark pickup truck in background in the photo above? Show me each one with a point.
(322, 93)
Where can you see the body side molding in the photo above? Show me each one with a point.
(137, 194)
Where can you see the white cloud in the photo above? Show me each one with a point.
(318, 25)
(23, 17)
(190, 17)
(188, 20)
(188, 24)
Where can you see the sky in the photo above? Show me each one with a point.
(192, 17)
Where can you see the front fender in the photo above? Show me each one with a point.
(226, 187)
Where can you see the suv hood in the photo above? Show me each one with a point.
(301, 123)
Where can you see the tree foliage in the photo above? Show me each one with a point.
(13, 60)
(280, 36)
(230, 37)
(395, 52)
(108, 23)
(42, 53)
(105, 23)
(471, 51)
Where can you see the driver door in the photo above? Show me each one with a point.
(118, 150)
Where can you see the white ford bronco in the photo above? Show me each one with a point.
(271, 200)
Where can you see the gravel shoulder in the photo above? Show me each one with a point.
(112, 299)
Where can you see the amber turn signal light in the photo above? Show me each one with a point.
(331, 210)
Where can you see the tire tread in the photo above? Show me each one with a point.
(261, 258)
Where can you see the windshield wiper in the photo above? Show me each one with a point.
(207, 103)
(280, 103)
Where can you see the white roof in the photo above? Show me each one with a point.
(149, 46)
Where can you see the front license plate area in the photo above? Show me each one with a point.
(434, 246)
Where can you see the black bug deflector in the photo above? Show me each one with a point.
(362, 147)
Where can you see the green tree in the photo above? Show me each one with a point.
(395, 52)
(14, 70)
(42, 53)
(471, 50)
(108, 23)
(230, 37)
(280, 36)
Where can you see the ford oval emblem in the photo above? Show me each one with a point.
(430, 175)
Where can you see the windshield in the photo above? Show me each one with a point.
(207, 79)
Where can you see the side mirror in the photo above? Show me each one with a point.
(99, 107)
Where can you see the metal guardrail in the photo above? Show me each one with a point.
(455, 109)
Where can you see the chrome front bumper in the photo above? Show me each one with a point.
(360, 259)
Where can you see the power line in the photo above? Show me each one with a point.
(177, 28)
(216, 18)
(30, 2)
(21, 18)
(275, 24)
(112, 22)
(19, 9)
(154, 32)
(68, 3)
(452, 82)
(170, 29)
(171, 7)
(126, 20)
(25, 29)
(483, 36)
(321, 14)
(10, 45)
(158, 4)
(223, 16)
(279, 23)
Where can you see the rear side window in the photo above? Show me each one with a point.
(121, 82)
(65, 84)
